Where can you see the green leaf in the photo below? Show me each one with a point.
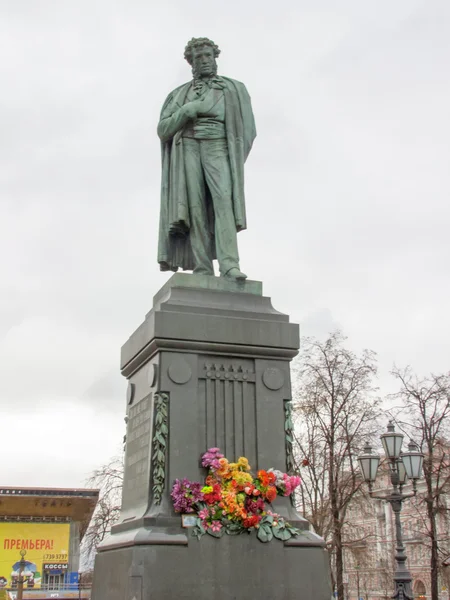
(198, 532)
(281, 533)
(232, 528)
(267, 519)
(264, 535)
(164, 429)
(293, 530)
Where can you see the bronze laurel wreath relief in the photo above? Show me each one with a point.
(161, 431)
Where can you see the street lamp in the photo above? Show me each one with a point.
(22, 564)
(357, 580)
(402, 466)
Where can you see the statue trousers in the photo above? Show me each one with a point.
(206, 164)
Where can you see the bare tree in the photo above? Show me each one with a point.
(335, 411)
(109, 479)
(311, 459)
(425, 410)
(360, 565)
(386, 575)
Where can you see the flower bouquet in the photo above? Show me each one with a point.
(234, 501)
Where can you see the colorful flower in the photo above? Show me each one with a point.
(216, 526)
(203, 514)
(186, 494)
(254, 506)
(242, 478)
(251, 521)
(224, 469)
(243, 463)
(231, 497)
(291, 482)
(214, 495)
(271, 493)
(210, 459)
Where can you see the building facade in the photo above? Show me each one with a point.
(43, 528)
(370, 546)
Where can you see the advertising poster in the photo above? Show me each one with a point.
(46, 546)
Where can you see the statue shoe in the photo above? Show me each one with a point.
(235, 275)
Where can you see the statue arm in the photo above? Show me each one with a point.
(173, 118)
(249, 121)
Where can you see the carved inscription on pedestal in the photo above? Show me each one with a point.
(137, 460)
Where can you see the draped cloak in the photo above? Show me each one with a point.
(174, 248)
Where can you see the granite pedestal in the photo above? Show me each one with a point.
(209, 366)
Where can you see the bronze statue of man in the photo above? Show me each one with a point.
(207, 131)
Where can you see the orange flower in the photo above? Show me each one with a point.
(224, 469)
(263, 476)
(271, 493)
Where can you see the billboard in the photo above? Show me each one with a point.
(46, 546)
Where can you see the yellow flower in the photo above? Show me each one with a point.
(242, 478)
(243, 463)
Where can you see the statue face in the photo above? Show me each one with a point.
(204, 62)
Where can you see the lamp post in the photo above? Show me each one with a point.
(20, 578)
(402, 465)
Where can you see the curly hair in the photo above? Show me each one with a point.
(198, 43)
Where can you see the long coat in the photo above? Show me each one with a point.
(174, 249)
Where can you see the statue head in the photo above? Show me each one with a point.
(201, 54)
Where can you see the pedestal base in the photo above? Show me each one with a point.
(209, 366)
(237, 568)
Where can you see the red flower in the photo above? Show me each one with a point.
(251, 521)
(214, 496)
(271, 493)
(254, 506)
(305, 462)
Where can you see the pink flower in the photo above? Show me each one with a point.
(216, 526)
(291, 482)
(210, 459)
(204, 514)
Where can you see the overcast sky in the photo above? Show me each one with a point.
(348, 188)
